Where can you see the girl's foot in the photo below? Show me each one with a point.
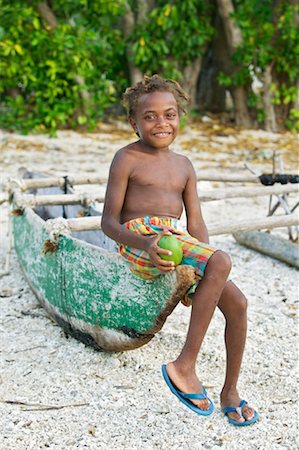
(187, 382)
(231, 398)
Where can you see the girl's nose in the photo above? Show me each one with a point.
(161, 120)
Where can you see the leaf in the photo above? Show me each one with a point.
(18, 49)
(82, 120)
(167, 10)
(36, 23)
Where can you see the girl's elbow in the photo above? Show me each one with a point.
(104, 225)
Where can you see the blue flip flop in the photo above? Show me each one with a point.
(185, 398)
(238, 410)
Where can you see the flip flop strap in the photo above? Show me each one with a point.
(197, 396)
(238, 409)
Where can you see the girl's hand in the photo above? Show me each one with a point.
(154, 252)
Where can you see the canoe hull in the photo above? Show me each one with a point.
(91, 292)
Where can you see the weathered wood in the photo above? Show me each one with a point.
(270, 245)
(227, 177)
(89, 289)
(94, 223)
(36, 183)
(26, 184)
(22, 200)
(256, 224)
(220, 194)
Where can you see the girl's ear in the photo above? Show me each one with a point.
(134, 125)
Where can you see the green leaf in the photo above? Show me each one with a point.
(82, 120)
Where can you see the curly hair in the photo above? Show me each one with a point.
(154, 83)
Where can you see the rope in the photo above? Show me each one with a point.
(20, 183)
(86, 199)
(56, 227)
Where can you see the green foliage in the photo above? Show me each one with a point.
(46, 73)
(270, 39)
(69, 74)
(292, 121)
(174, 35)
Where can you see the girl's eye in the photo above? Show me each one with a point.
(149, 117)
(171, 115)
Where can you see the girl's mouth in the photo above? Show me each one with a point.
(162, 134)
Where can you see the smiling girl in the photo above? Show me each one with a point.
(149, 186)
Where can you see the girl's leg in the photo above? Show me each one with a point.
(205, 299)
(233, 305)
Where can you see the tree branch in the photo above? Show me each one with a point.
(47, 14)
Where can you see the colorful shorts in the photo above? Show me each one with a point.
(195, 253)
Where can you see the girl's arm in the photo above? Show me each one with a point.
(195, 222)
(114, 201)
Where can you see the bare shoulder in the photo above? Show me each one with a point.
(184, 162)
(125, 154)
(123, 159)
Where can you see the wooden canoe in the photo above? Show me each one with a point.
(87, 287)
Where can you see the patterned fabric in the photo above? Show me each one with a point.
(195, 253)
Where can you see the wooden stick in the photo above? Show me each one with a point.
(255, 224)
(41, 407)
(231, 177)
(22, 200)
(35, 183)
(94, 223)
(220, 194)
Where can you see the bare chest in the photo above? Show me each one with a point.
(166, 174)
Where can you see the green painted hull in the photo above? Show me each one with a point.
(90, 290)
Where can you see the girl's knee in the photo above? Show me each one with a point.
(241, 304)
(221, 262)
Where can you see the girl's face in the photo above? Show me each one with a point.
(156, 119)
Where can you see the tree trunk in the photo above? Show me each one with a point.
(211, 95)
(296, 24)
(296, 103)
(270, 117)
(47, 14)
(239, 96)
(234, 40)
(128, 27)
(275, 115)
(130, 20)
(189, 83)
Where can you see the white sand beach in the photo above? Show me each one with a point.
(58, 394)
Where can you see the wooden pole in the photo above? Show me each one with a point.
(229, 177)
(94, 223)
(220, 194)
(22, 200)
(266, 223)
(35, 183)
